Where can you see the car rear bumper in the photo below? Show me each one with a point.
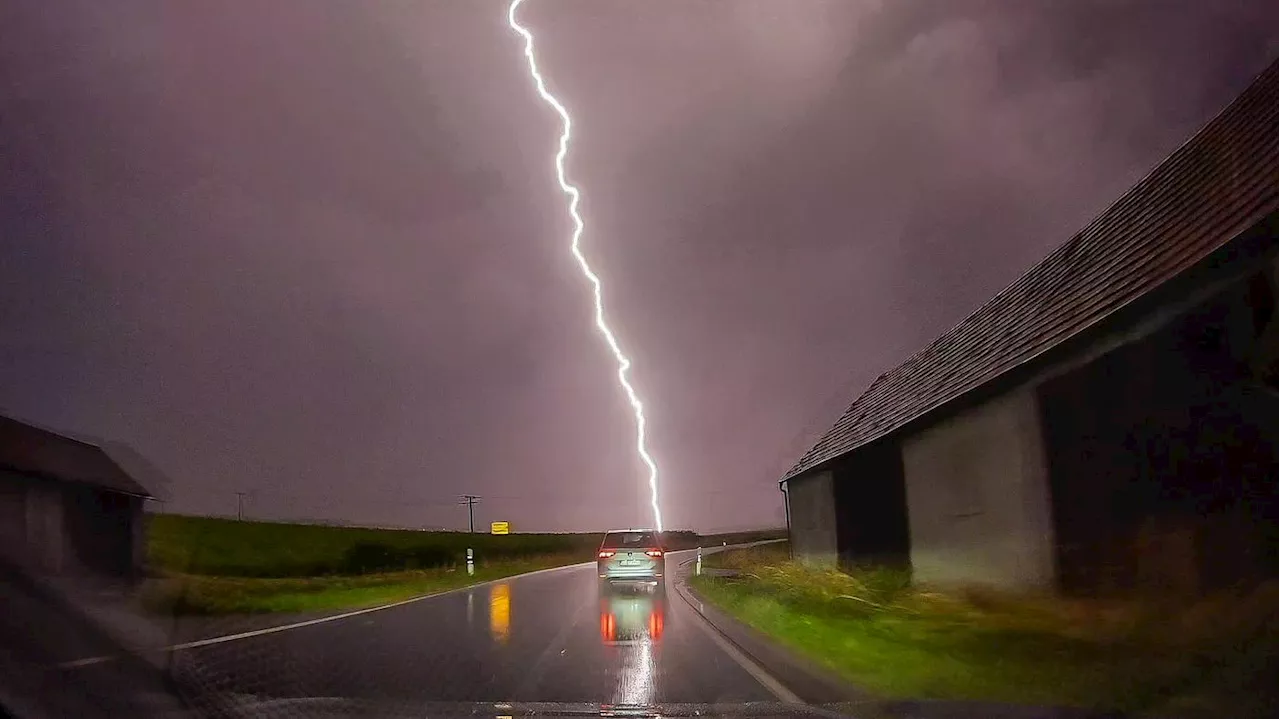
(628, 573)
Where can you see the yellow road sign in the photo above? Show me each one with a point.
(500, 528)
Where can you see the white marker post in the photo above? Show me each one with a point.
(471, 562)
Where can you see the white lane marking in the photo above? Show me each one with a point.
(751, 666)
(89, 661)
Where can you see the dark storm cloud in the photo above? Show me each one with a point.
(314, 250)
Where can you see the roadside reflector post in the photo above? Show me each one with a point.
(471, 561)
(697, 569)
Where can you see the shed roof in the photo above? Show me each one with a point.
(31, 450)
(1220, 183)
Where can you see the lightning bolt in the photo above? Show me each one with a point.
(575, 246)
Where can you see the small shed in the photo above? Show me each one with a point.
(66, 508)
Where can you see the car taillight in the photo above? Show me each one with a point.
(605, 553)
(654, 552)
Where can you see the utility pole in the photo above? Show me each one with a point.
(470, 500)
(240, 506)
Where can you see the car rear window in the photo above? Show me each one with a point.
(630, 539)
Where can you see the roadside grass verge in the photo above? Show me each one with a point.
(748, 557)
(207, 565)
(214, 546)
(187, 594)
(229, 548)
(1214, 657)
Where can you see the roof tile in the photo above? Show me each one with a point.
(1219, 183)
(32, 450)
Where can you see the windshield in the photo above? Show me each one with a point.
(617, 540)
(710, 356)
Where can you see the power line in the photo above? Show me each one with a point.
(470, 500)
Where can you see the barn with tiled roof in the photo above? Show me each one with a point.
(1106, 422)
(66, 507)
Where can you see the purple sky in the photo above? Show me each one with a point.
(313, 250)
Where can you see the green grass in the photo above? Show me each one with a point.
(229, 548)
(1213, 657)
(223, 547)
(748, 558)
(205, 565)
(205, 595)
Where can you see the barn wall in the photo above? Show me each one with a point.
(100, 529)
(811, 503)
(1163, 453)
(978, 497)
(31, 531)
(13, 516)
(871, 507)
(46, 545)
(61, 528)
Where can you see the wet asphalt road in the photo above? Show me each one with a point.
(546, 637)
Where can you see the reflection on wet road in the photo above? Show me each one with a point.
(628, 618)
(500, 612)
(631, 622)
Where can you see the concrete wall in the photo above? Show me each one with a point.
(1162, 453)
(811, 503)
(56, 528)
(978, 497)
(13, 516)
(31, 529)
(45, 530)
(138, 536)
